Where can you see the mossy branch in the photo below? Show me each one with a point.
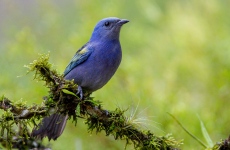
(62, 99)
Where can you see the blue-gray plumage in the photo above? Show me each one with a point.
(92, 67)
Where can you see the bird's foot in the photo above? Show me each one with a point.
(80, 92)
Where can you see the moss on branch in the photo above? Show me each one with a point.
(62, 99)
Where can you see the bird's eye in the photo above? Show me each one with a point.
(107, 24)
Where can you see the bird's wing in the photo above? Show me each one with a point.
(81, 55)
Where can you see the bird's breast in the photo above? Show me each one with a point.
(98, 69)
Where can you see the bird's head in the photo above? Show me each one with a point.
(108, 28)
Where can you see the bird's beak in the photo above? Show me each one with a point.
(122, 21)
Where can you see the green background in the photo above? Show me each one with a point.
(176, 59)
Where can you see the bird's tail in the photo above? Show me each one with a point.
(51, 126)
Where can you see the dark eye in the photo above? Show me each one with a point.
(107, 24)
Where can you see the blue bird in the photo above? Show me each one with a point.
(92, 67)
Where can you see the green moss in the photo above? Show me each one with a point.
(62, 99)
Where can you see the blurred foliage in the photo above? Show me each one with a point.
(176, 58)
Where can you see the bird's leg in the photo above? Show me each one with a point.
(80, 92)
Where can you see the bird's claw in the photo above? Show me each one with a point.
(80, 92)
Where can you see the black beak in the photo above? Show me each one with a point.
(122, 21)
